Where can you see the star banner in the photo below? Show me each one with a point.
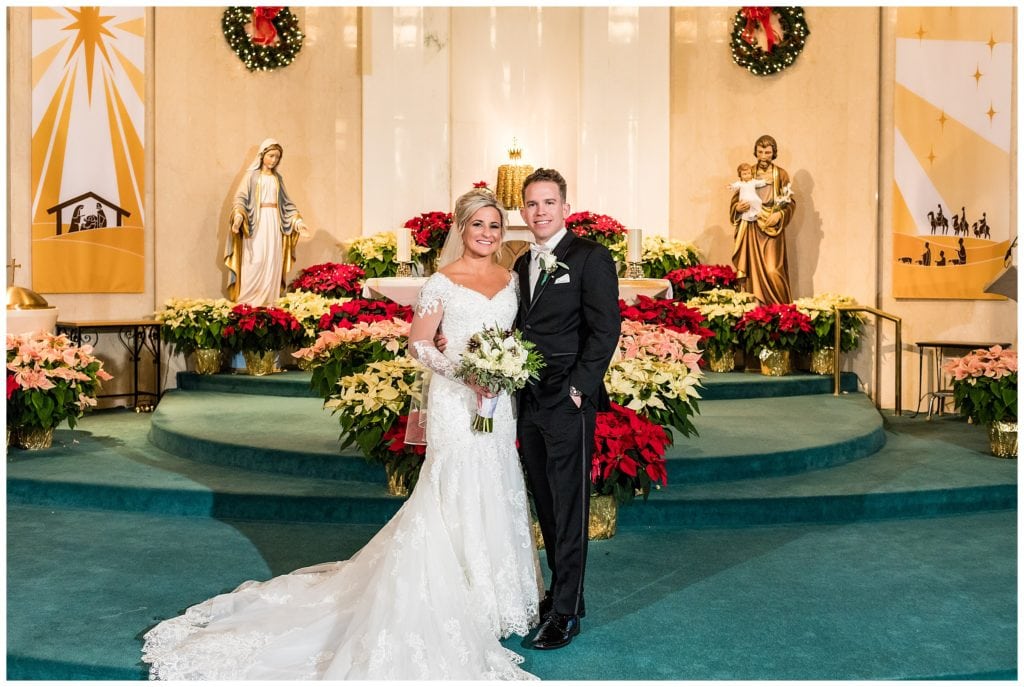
(952, 157)
(88, 114)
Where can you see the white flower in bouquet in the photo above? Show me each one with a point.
(501, 361)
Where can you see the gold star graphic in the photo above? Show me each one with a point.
(977, 76)
(931, 155)
(942, 120)
(920, 32)
(991, 112)
(992, 43)
(90, 27)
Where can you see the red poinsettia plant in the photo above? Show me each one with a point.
(690, 282)
(779, 327)
(669, 314)
(330, 280)
(601, 228)
(346, 315)
(260, 329)
(629, 454)
(403, 460)
(430, 229)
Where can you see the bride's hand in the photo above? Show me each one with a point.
(481, 391)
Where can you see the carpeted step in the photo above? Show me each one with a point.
(287, 435)
(899, 599)
(717, 385)
(915, 474)
(739, 438)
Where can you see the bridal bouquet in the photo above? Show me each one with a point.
(499, 360)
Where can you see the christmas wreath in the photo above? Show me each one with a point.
(273, 40)
(780, 51)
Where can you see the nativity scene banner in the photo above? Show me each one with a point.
(952, 157)
(88, 113)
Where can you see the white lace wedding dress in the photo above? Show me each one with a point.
(430, 595)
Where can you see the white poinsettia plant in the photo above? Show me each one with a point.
(821, 310)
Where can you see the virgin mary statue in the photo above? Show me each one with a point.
(264, 226)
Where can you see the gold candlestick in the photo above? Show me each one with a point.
(634, 270)
(404, 269)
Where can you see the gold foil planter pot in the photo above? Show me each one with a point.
(33, 438)
(725, 362)
(207, 361)
(774, 363)
(1002, 439)
(604, 517)
(304, 364)
(396, 482)
(259, 364)
(822, 361)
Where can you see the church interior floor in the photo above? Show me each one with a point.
(862, 546)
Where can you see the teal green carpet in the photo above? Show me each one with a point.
(884, 600)
(894, 558)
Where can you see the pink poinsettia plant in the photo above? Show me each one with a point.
(690, 282)
(50, 380)
(330, 279)
(261, 329)
(985, 384)
(343, 351)
(640, 340)
(779, 327)
(629, 454)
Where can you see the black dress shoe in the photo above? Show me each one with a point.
(556, 631)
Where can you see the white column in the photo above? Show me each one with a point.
(406, 135)
(515, 73)
(624, 116)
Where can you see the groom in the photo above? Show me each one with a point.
(569, 308)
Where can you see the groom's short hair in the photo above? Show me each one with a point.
(543, 174)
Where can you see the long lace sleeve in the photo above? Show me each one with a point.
(426, 321)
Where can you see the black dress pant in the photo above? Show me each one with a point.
(557, 444)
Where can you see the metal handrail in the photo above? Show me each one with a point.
(899, 351)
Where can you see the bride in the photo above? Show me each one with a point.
(455, 571)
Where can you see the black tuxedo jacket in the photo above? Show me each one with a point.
(573, 319)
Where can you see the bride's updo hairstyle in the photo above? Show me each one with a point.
(465, 207)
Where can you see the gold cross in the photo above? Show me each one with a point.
(13, 265)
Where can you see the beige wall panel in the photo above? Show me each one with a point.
(211, 115)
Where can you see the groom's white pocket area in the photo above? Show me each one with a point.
(564, 279)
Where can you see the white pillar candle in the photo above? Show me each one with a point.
(402, 253)
(635, 246)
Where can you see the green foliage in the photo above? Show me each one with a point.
(985, 400)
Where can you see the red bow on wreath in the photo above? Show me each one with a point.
(762, 16)
(263, 30)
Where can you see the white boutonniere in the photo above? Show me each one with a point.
(549, 264)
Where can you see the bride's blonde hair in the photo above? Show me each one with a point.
(466, 206)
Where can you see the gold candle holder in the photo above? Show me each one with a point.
(404, 269)
(510, 179)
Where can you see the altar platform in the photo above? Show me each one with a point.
(801, 536)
